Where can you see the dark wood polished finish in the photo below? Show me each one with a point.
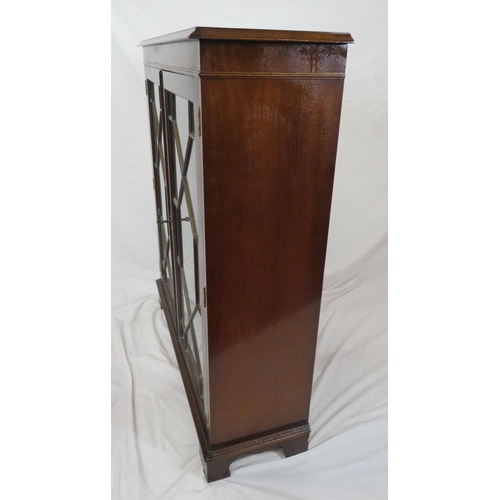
(250, 35)
(236, 58)
(268, 161)
(270, 105)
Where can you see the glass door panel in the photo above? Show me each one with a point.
(186, 216)
(161, 186)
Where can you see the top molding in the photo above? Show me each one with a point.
(251, 35)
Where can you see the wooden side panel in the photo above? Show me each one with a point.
(269, 148)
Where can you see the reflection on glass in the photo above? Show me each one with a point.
(187, 213)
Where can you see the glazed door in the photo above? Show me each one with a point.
(161, 184)
(181, 224)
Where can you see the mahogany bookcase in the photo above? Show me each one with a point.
(244, 126)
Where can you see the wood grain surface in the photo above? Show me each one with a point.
(269, 160)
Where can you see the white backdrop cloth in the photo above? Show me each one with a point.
(155, 449)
